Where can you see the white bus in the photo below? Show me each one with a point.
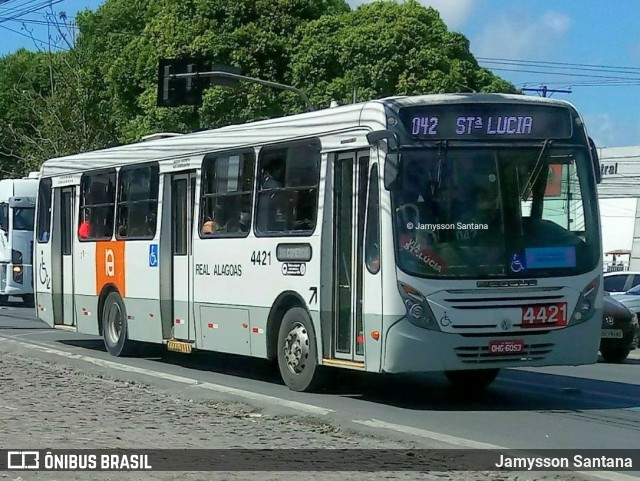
(17, 211)
(456, 233)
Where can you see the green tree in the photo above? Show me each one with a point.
(23, 75)
(253, 35)
(103, 89)
(383, 49)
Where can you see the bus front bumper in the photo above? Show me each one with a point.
(409, 348)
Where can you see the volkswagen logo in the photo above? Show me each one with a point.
(505, 324)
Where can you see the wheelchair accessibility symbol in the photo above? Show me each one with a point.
(45, 280)
(517, 263)
(153, 255)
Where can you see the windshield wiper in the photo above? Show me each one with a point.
(537, 170)
(442, 157)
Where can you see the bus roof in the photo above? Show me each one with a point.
(368, 115)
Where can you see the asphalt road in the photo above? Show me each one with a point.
(587, 407)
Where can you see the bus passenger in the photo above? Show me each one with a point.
(209, 227)
(245, 221)
(272, 175)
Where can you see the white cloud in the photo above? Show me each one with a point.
(454, 13)
(602, 129)
(515, 34)
(608, 131)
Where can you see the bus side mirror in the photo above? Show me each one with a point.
(596, 160)
(392, 157)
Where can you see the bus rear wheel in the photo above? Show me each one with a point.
(297, 352)
(114, 327)
(473, 380)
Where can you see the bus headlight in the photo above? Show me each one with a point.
(585, 307)
(418, 311)
(17, 274)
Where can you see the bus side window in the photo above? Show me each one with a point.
(227, 190)
(288, 188)
(43, 221)
(97, 205)
(372, 235)
(137, 202)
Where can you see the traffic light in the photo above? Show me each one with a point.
(193, 76)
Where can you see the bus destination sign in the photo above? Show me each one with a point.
(487, 122)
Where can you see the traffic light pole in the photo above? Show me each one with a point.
(214, 74)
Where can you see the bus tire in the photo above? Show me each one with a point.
(114, 327)
(4, 300)
(472, 380)
(297, 352)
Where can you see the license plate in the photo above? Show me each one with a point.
(612, 334)
(546, 315)
(506, 347)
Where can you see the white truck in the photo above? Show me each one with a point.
(17, 210)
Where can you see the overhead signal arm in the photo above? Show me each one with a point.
(169, 85)
(215, 74)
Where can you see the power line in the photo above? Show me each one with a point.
(544, 90)
(544, 62)
(588, 73)
(637, 79)
(43, 42)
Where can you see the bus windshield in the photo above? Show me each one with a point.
(23, 218)
(495, 212)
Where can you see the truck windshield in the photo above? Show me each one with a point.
(496, 212)
(23, 218)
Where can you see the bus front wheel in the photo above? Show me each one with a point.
(297, 352)
(114, 327)
(473, 380)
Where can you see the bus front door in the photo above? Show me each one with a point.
(349, 201)
(67, 234)
(183, 188)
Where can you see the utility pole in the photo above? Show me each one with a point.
(544, 90)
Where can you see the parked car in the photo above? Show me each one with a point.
(630, 298)
(620, 282)
(619, 330)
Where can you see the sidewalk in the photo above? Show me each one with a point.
(49, 405)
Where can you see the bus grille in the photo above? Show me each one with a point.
(480, 354)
